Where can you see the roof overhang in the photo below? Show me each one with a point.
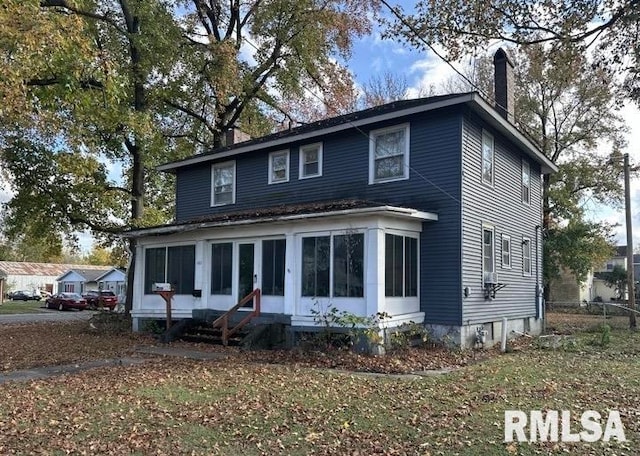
(473, 99)
(381, 211)
(493, 118)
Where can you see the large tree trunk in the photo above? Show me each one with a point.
(135, 148)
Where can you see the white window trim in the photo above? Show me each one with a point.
(233, 191)
(525, 165)
(405, 235)
(301, 153)
(486, 134)
(486, 227)
(506, 237)
(331, 234)
(372, 143)
(271, 155)
(527, 241)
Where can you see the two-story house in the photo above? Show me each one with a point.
(426, 209)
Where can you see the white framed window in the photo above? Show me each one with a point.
(279, 167)
(488, 170)
(389, 154)
(333, 265)
(506, 251)
(488, 251)
(526, 256)
(171, 264)
(526, 182)
(223, 188)
(310, 161)
(401, 266)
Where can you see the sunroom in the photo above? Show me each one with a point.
(355, 256)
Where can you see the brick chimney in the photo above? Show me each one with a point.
(504, 84)
(234, 136)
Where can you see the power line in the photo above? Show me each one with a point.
(359, 130)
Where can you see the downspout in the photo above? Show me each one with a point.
(539, 309)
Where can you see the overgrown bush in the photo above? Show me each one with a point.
(408, 335)
(109, 322)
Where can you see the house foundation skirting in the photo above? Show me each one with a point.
(465, 336)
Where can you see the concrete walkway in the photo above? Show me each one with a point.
(54, 371)
(153, 351)
(47, 315)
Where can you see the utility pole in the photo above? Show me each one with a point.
(630, 278)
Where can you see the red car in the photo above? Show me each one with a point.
(63, 301)
(103, 298)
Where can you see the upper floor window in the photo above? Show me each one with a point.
(526, 256)
(487, 158)
(279, 166)
(526, 182)
(311, 161)
(223, 190)
(506, 251)
(389, 154)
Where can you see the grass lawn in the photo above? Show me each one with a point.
(242, 407)
(21, 307)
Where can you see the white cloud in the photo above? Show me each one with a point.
(428, 72)
(5, 191)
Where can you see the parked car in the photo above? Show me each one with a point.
(102, 298)
(24, 295)
(63, 301)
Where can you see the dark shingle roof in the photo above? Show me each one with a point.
(334, 121)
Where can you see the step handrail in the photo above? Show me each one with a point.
(223, 320)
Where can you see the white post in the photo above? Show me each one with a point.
(504, 335)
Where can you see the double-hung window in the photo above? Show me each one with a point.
(310, 161)
(223, 176)
(487, 158)
(401, 266)
(526, 256)
(333, 266)
(506, 251)
(279, 167)
(526, 182)
(175, 265)
(389, 154)
(488, 253)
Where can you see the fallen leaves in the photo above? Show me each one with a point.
(289, 403)
(23, 346)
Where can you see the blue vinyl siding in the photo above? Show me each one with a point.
(434, 185)
(502, 208)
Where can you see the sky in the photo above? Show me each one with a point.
(373, 55)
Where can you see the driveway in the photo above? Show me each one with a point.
(47, 315)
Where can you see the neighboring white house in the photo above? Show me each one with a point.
(566, 289)
(112, 280)
(81, 279)
(16, 275)
(600, 287)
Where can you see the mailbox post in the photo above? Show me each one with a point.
(166, 292)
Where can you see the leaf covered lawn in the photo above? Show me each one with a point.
(171, 406)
